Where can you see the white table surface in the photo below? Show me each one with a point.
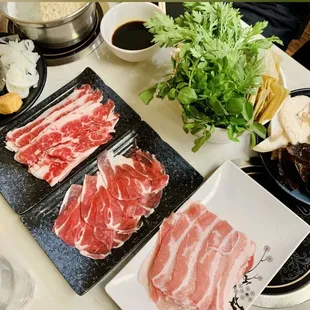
(16, 243)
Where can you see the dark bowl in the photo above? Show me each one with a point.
(272, 165)
(34, 93)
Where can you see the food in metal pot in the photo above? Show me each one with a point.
(55, 10)
(43, 11)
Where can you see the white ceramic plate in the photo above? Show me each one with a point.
(234, 196)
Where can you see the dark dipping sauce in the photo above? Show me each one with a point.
(132, 36)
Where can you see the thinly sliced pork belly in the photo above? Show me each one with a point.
(16, 133)
(195, 264)
(211, 262)
(183, 281)
(164, 264)
(144, 276)
(235, 268)
(84, 101)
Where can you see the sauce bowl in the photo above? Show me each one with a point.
(121, 14)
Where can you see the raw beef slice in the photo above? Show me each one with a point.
(94, 221)
(13, 135)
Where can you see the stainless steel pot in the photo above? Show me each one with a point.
(58, 33)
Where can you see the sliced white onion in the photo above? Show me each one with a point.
(18, 77)
(23, 92)
(19, 63)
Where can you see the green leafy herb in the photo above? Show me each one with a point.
(248, 111)
(259, 129)
(216, 65)
(187, 95)
(235, 105)
(252, 139)
(147, 95)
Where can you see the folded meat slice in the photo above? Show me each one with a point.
(85, 100)
(93, 210)
(69, 219)
(90, 187)
(18, 132)
(105, 235)
(148, 203)
(119, 239)
(143, 206)
(100, 221)
(74, 231)
(129, 179)
(102, 210)
(148, 165)
(88, 245)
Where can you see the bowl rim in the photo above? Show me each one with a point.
(130, 52)
(52, 23)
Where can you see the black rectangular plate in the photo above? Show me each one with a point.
(23, 191)
(83, 273)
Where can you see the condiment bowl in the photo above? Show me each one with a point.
(121, 14)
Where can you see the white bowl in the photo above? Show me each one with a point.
(121, 14)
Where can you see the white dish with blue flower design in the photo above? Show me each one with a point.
(232, 195)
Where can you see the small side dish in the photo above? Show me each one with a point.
(18, 71)
(217, 66)
(124, 31)
(104, 212)
(197, 260)
(19, 61)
